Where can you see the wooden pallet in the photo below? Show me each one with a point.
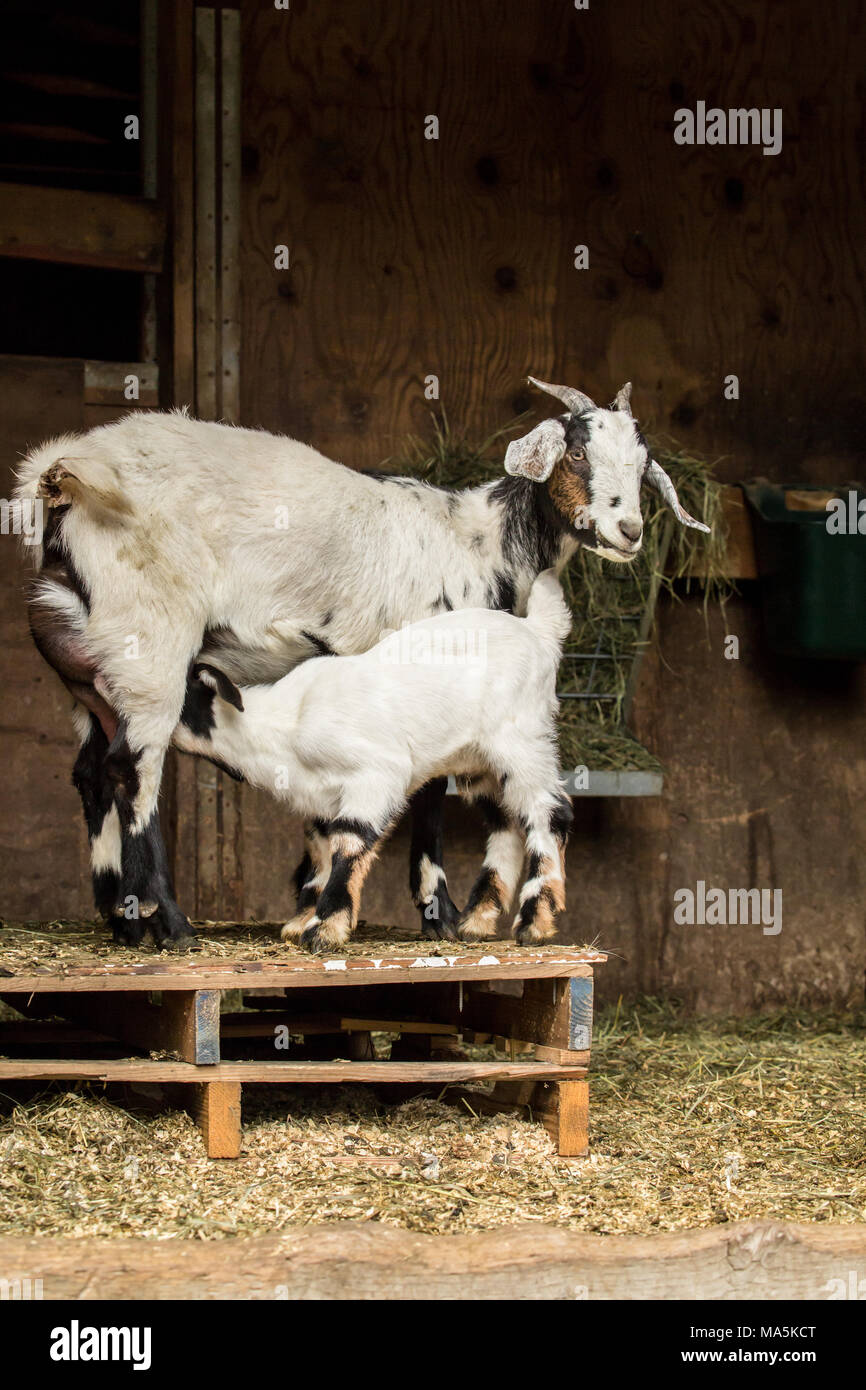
(321, 1012)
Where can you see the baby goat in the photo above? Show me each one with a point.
(346, 740)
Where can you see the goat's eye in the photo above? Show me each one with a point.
(615, 501)
(576, 456)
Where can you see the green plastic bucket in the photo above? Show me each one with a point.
(811, 559)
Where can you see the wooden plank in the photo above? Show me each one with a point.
(72, 227)
(187, 1022)
(287, 1073)
(177, 117)
(313, 973)
(216, 1108)
(230, 218)
(104, 384)
(206, 335)
(244, 1026)
(760, 1260)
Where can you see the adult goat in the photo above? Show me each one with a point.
(190, 540)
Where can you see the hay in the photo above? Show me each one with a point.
(608, 600)
(693, 1124)
(66, 943)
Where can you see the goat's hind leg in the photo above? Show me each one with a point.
(147, 893)
(439, 915)
(352, 845)
(100, 813)
(495, 886)
(546, 819)
(311, 876)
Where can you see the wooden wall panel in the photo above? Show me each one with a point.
(455, 257)
(43, 843)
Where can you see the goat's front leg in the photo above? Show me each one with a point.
(352, 845)
(495, 886)
(311, 876)
(439, 915)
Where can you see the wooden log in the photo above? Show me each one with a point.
(758, 1260)
(216, 1108)
(73, 227)
(287, 1073)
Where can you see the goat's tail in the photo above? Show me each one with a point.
(62, 472)
(547, 612)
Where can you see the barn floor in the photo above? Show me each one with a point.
(692, 1123)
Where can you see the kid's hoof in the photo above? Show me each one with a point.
(329, 935)
(294, 929)
(478, 926)
(531, 934)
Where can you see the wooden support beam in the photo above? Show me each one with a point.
(216, 1108)
(563, 1109)
(552, 1013)
(72, 227)
(185, 1023)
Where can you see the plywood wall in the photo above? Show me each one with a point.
(455, 256)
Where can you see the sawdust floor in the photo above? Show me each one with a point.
(692, 1124)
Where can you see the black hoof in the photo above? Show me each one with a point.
(181, 944)
(310, 940)
(439, 917)
(170, 926)
(129, 931)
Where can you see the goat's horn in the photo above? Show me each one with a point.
(656, 476)
(575, 400)
(622, 399)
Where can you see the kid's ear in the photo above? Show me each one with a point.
(217, 680)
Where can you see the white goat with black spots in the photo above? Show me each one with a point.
(191, 540)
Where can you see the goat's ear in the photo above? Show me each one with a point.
(535, 455)
(656, 477)
(217, 680)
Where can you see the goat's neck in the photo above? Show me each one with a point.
(522, 523)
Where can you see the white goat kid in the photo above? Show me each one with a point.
(346, 740)
(186, 539)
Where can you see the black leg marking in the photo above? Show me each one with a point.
(147, 894)
(439, 915)
(97, 798)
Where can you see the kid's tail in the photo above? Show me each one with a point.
(547, 612)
